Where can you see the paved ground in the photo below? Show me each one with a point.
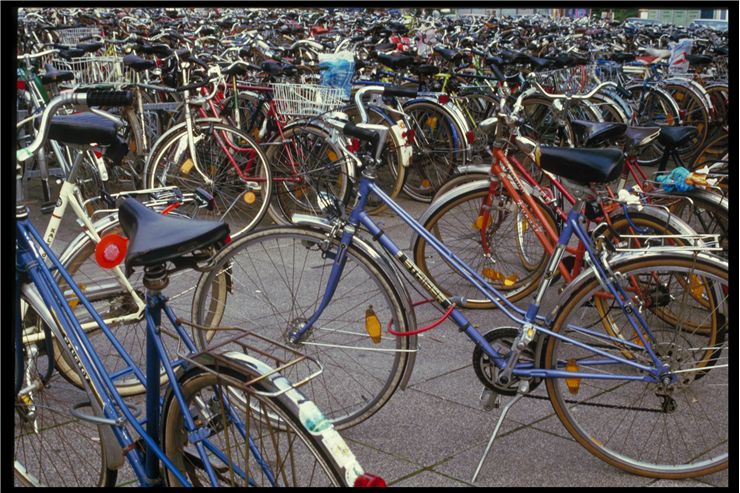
(434, 433)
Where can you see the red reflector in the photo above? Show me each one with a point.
(409, 134)
(444, 99)
(98, 154)
(682, 114)
(20, 85)
(110, 251)
(227, 240)
(470, 135)
(368, 480)
(354, 145)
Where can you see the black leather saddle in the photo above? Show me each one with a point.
(640, 136)
(155, 238)
(53, 76)
(596, 133)
(676, 136)
(424, 69)
(83, 128)
(137, 63)
(699, 60)
(582, 165)
(395, 61)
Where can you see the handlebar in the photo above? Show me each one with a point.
(391, 91)
(90, 98)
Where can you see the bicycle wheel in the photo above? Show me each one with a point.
(252, 439)
(438, 148)
(543, 125)
(515, 258)
(693, 111)
(119, 309)
(676, 430)
(276, 279)
(652, 106)
(53, 447)
(231, 167)
(719, 95)
(304, 163)
(716, 149)
(477, 106)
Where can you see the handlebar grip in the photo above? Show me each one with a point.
(400, 92)
(353, 130)
(109, 98)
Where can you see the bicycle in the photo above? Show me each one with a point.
(663, 342)
(213, 399)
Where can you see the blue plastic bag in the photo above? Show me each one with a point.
(337, 70)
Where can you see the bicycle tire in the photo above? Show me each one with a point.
(695, 112)
(303, 164)
(323, 456)
(438, 149)
(657, 107)
(600, 405)
(453, 222)
(53, 448)
(276, 277)
(241, 205)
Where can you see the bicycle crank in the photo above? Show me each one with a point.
(501, 339)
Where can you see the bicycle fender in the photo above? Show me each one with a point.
(391, 271)
(111, 449)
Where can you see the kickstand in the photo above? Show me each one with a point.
(521, 392)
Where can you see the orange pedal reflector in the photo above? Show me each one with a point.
(110, 251)
(573, 384)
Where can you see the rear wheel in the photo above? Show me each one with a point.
(250, 439)
(662, 430)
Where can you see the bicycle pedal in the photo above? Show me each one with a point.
(491, 400)
(48, 207)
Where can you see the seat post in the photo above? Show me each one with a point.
(155, 280)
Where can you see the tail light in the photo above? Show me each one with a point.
(20, 85)
(110, 251)
(444, 99)
(367, 480)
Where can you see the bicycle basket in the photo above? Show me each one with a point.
(306, 99)
(75, 35)
(91, 70)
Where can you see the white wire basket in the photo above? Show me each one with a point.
(74, 35)
(306, 99)
(98, 70)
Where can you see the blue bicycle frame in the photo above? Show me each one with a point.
(528, 319)
(30, 266)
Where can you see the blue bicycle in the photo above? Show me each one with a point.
(634, 354)
(223, 418)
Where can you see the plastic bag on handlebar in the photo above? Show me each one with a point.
(337, 70)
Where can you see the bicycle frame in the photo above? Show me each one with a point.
(529, 319)
(113, 412)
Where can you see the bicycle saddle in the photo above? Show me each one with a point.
(155, 238)
(137, 63)
(82, 129)
(699, 59)
(581, 165)
(53, 75)
(640, 136)
(395, 61)
(594, 133)
(676, 136)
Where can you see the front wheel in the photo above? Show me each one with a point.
(662, 430)
(273, 280)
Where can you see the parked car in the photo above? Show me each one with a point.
(713, 24)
